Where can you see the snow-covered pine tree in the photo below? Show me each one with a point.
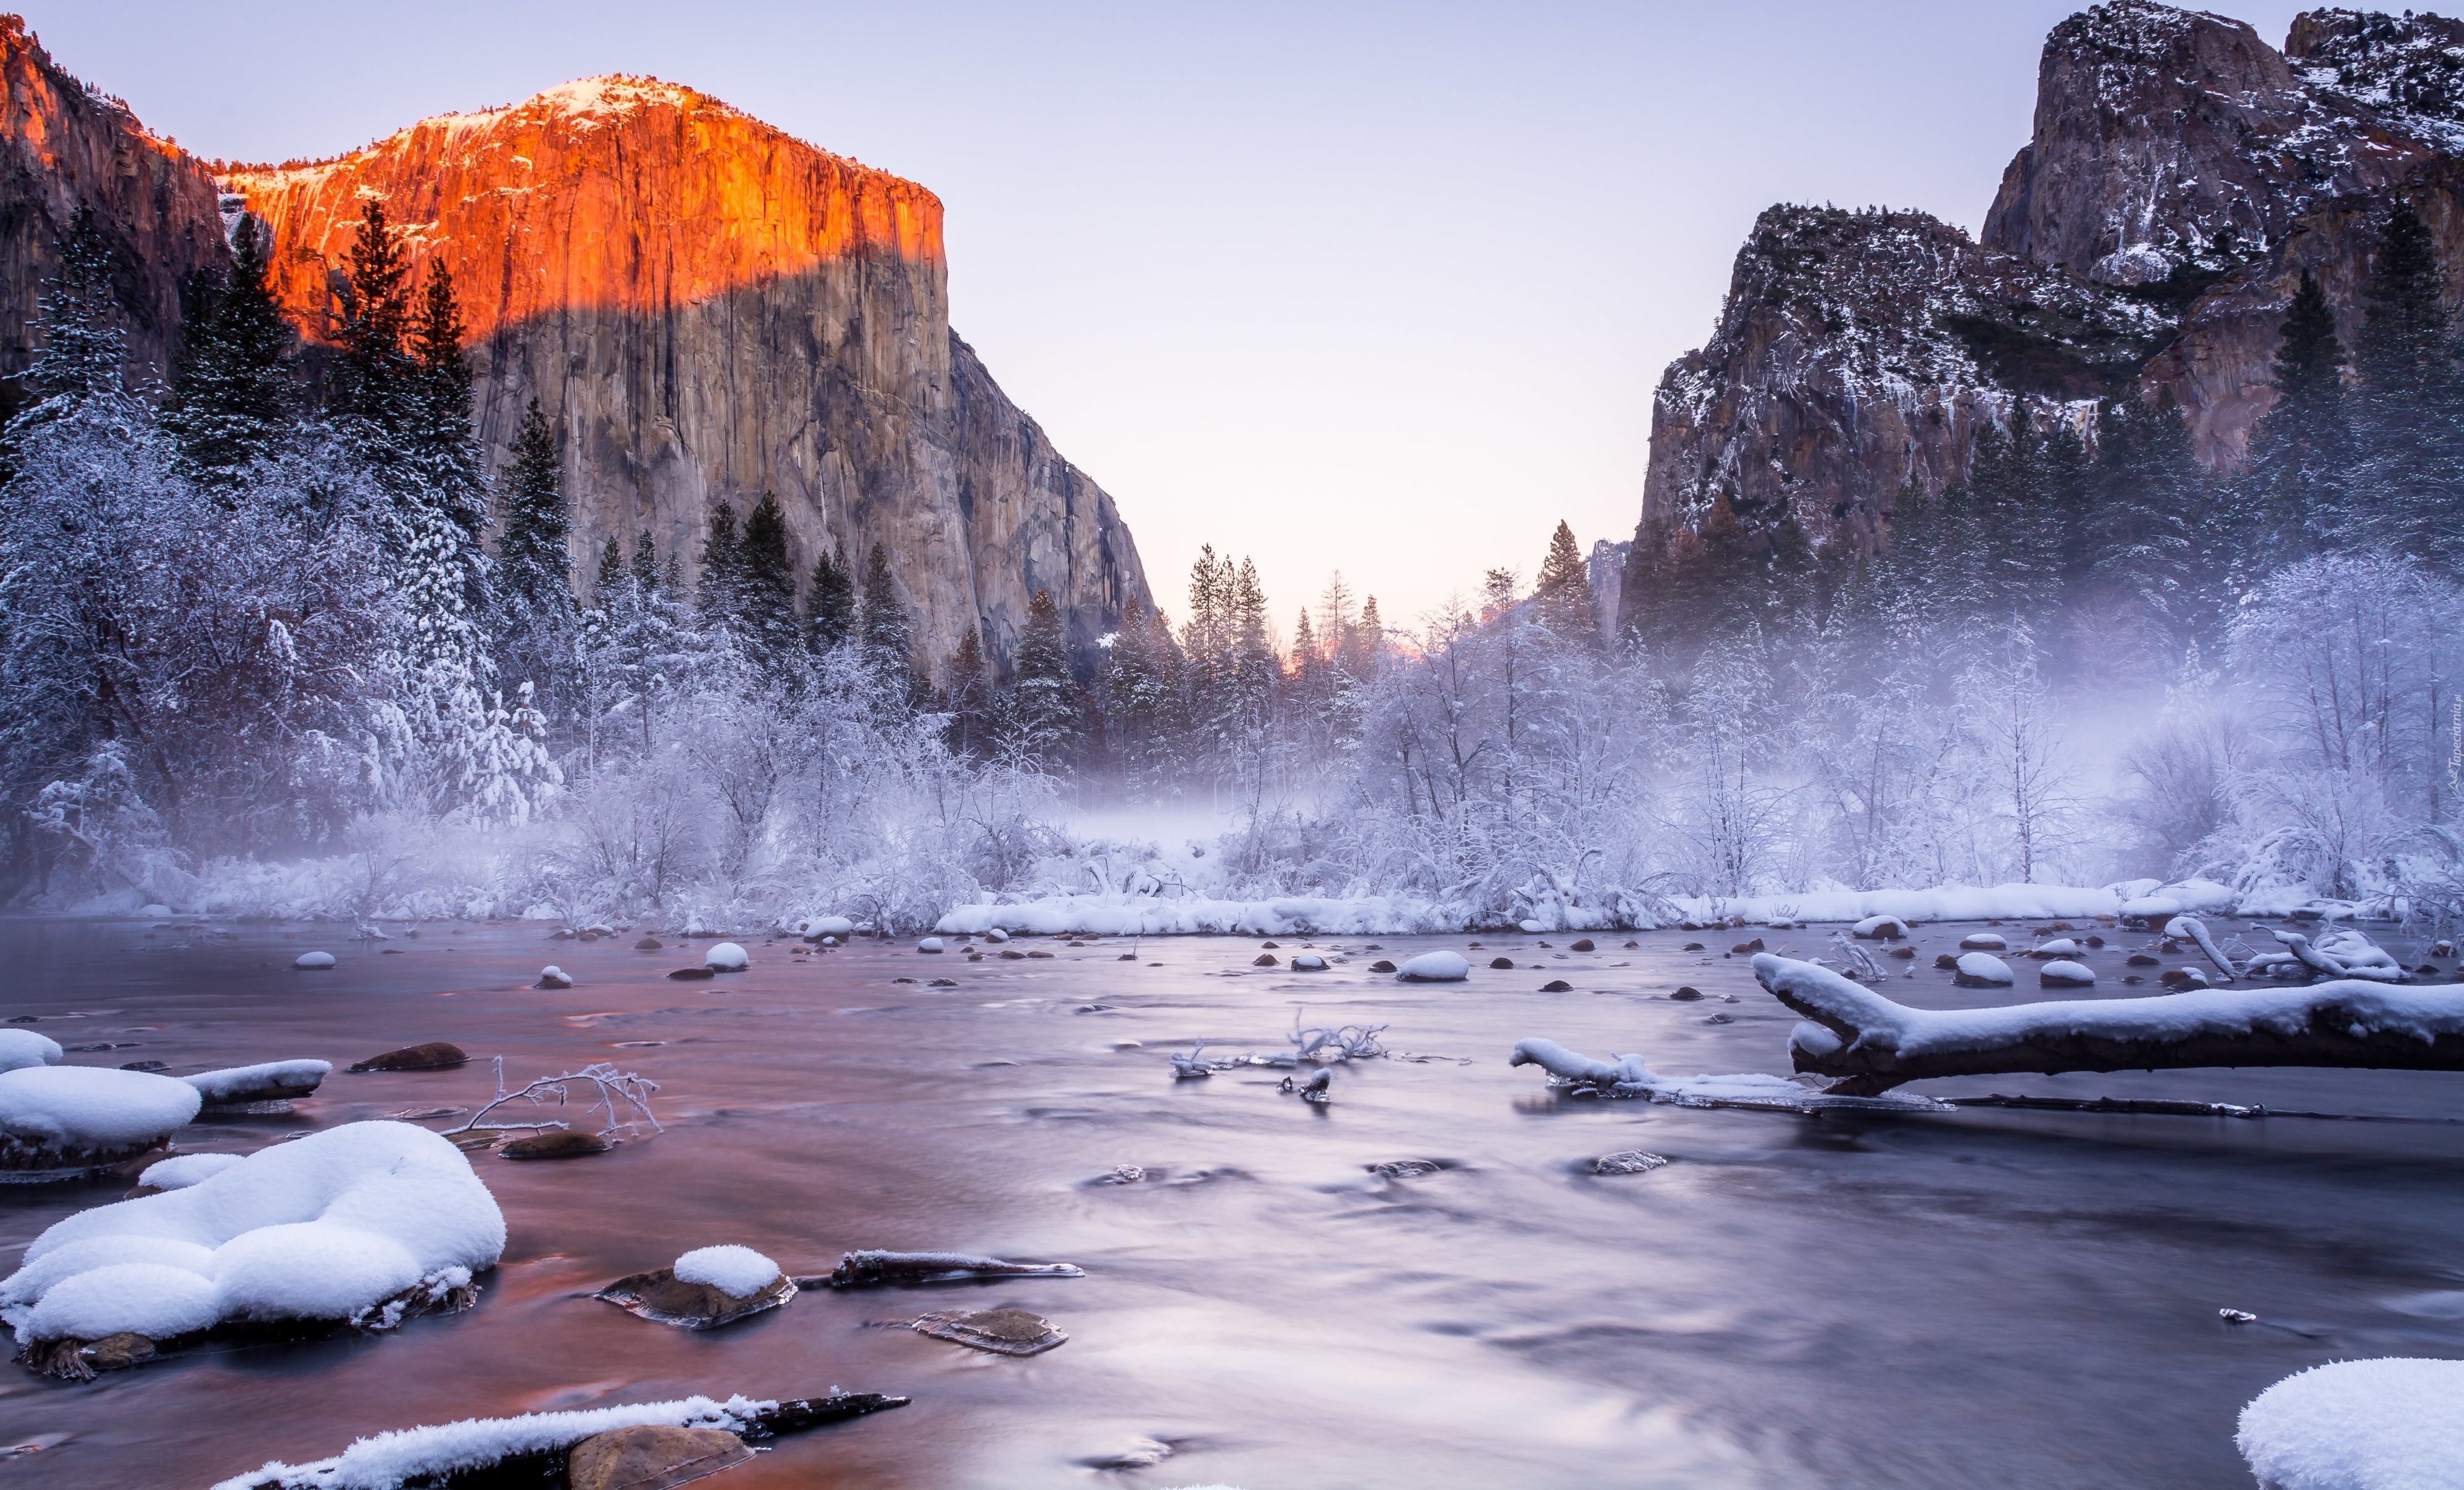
(1563, 596)
(1043, 713)
(882, 626)
(2148, 532)
(84, 347)
(2295, 487)
(829, 605)
(371, 393)
(231, 401)
(2411, 403)
(538, 625)
(765, 599)
(967, 697)
(720, 596)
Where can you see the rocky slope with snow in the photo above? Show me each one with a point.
(2181, 176)
(709, 309)
(62, 147)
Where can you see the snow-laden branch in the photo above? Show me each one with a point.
(1872, 1044)
(609, 1088)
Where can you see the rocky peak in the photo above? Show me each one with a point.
(2409, 69)
(2174, 144)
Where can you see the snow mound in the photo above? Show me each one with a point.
(2059, 947)
(929, 944)
(64, 1107)
(390, 1460)
(737, 1272)
(727, 957)
(21, 1048)
(2388, 1424)
(313, 960)
(2065, 975)
(2191, 897)
(1879, 928)
(1984, 941)
(1983, 966)
(1436, 967)
(257, 1083)
(828, 926)
(181, 1170)
(328, 1228)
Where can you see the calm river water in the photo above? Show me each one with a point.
(1993, 1298)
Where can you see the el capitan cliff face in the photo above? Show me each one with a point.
(708, 309)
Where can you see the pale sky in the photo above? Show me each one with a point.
(1377, 288)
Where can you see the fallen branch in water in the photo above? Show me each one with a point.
(1872, 1044)
(608, 1085)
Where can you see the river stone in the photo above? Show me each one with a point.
(1742, 948)
(553, 976)
(118, 1352)
(1584, 944)
(1001, 1331)
(1685, 994)
(668, 1300)
(1631, 1161)
(1381, 965)
(1501, 964)
(562, 1143)
(649, 944)
(1556, 985)
(312, 961)
(651, 1457)
(435, 1055)
(1263, 959)
(692, 974)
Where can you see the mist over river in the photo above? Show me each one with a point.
(1990, 1297)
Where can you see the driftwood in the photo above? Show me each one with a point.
(873, 1269)
(1871, 1045)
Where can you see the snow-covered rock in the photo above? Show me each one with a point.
(553, 976)
(996, 935)
(312, 961)
(1882, 929)
(839, 927)
(388, 1460)
(2386, 1424)
(1982, 969)
(929, 944)
(1983, 941)
(1307, 963)
(57, 1115)
(726, 957)
(1436, 967)
(2066, 975)
(24, 1047)
(272, 1080)
(737, 1272)
(330, 1227)
(2058, 947)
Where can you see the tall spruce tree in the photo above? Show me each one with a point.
(2150, 531)
(2295, 489)
(1563, 596)
(84, 348)
(967, 697)
(538, 625)
(882, 624)
(373, 392)
(2411, 403)
(721, 594)
(1044, 709)
(766, 587)
(231, 398)
(829, 603)
(441, 441)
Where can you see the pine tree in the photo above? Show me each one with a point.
(441, 441)
(84, 347)
(230, 402)
(537, 628)
(765, 601)
(720, 596)
(611, 570)
(2149, 529)
(829, 609)
(2302, 451)
(1562, 599)
(1044, 709)
(646, 563)
(966, 696)
(2411, 400)
(373, 392)
(882, 625)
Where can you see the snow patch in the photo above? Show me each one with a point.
(78, 1106)
(2388, 1424)
(20, 1048)
(737, 1272)
(390, 1460)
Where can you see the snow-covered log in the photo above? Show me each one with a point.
(1572, 1066)
(1872, 1044)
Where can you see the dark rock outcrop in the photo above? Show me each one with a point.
(2181, 177)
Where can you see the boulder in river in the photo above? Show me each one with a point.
(312, 961)
(1981, 969)
(563, 1142)
(1307, 963)
(692, 975)
(268, 1087)
(1586, 944)
(1436, 967)
(1381, 965)
(1001, 1331)
(553, 976)
(718, 1285)
(1687, 993)
(433, 1055)
(1501, 964)
(1263, 959)
(726, 957)
(652, 1455)
(649, 944)
(1556, 985)
(929, 944)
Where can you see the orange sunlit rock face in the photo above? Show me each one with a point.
(622, 195)
(709, 309)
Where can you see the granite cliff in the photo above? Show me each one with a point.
(2180, 177)
(709, 309)
(64, 146)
